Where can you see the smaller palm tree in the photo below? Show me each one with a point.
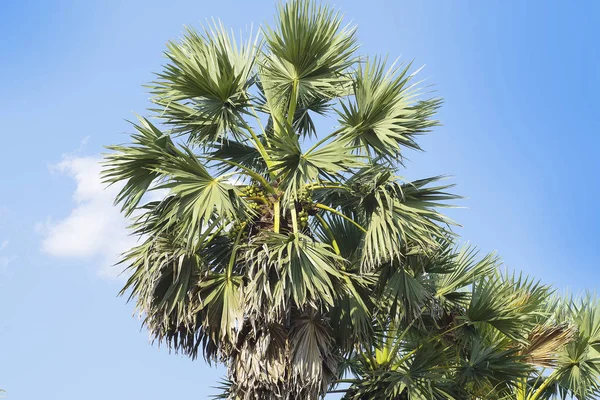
(505, 336)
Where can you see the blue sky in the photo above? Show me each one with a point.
(520, 137)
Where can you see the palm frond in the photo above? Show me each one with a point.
(163, 280)
(488, 366)
(578, 365)
(303, 120)
(307, 54)
(138, 164)
(403, 293)
(401, 213)
(203, 90)
(313, 359)
(295, 169)
(451, 287)
(307, 270)
(545, 341)
(200, 194)
(351, 317)
(384, 114)
(511, 305)
(238, 153)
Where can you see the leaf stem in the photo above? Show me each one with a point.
(329, 233)
(547, 382)
(234, 251)
(293, 103)
(276, 216)
(259, 146)
(257, 198)
(334, 211)
(262, 128)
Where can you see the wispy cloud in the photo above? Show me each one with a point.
(94, 229)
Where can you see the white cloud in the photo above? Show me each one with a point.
(95, 230)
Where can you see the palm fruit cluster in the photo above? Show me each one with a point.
(250, 191)
(305, 201)
(305, 195)
(236, 227)
(253, 190)
(303, 218)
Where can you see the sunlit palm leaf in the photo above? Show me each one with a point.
(384, 115)
(452, 287)
(138, 164)
(578, 364)
(511, 305)
(399, 214)
(199, 194)
(308, 270)
(203, 90)
(307, 55)
(488, 366)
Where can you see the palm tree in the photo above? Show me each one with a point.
(272, 237)
(508, 338)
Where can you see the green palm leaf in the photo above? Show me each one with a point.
(511, 305)
(384, 115)
(203, 90)
(307, 55)
(199, 193)
(137, 164)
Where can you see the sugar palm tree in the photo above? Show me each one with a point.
(266, 248)
(507, 338)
